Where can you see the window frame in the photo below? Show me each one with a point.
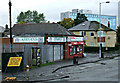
(91, 33)
(80, 33)
(76, 50)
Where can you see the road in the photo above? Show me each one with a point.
(105, 70)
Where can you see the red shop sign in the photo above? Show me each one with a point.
(77, 43)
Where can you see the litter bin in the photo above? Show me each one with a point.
(102, 55)
(75, 60)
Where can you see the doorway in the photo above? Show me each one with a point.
(36, 56)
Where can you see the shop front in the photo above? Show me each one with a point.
(57, 43)
(74, 47)
(61, 47)
(31, 48)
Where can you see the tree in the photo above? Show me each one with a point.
(31, 16)
(67, 23)
(79, 19)
(118, 34)
(59, 22)
(21, 17)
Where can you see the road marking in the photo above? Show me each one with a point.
(86, 67)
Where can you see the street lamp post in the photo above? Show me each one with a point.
(100, 49)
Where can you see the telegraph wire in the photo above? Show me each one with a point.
(16, 8)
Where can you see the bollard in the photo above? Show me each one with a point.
(102, 55)
(27, 69)
(75, 60)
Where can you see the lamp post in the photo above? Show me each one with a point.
(10, 4)
(100, 49)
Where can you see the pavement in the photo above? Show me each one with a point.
(47, 72)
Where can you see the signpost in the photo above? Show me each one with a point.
(14, 61)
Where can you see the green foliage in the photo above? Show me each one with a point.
(21, 17)
(30, 16)
(50, 63)
(88, 49)
(117, 46)
(21, 22)
(79, 19)
(48, 22)
(34, 67)
(59, 22)
(67, 23)
(118, 35)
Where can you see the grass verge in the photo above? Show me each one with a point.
(34, 67)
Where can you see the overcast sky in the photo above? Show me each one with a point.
(53, 8)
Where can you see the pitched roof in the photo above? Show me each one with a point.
(89, 25)
(39, 29)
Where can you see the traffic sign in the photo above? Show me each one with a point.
(14, 61)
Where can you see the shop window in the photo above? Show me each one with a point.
(79, 49)
(72, 50)
(76, 50)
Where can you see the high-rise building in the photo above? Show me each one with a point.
(119, 13)
(82, 11)
(105, 19)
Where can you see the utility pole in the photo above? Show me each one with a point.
(100, 47)
(10, 4)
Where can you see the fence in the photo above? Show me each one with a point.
(48, 53)
(15, 48)
(51, 53)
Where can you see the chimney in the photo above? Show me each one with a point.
(6, 26)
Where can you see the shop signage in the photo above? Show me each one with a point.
(14, 61)
(69, 44)
(77, 43)
(74, 39)
(56, 39)
(28, 39)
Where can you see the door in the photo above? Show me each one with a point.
(36, 57)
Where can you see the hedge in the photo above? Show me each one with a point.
(89, 49)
